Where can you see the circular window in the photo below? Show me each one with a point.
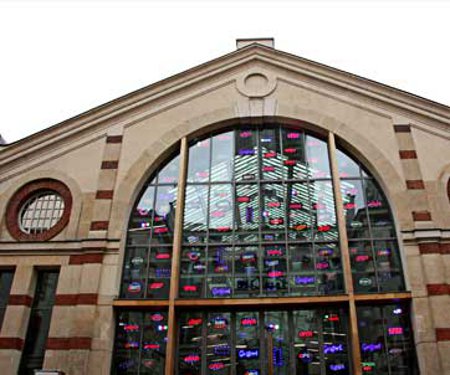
(39, 210)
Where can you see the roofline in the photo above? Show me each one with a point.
(171, 79)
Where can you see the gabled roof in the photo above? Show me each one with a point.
(411, 104)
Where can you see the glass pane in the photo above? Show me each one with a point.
(294, 154)
(153, 347)
(246, 155)
(356, 219)
(363, 267)
(273, 211)
(169, 174)
(142, 214)
(271, 157)
(324, 216)
(128, 342)
(317, 157)
(195, 225)
(246, 268)
(222, 157)
(134, 277)
(221, 213)
(379, 212)
(160, 264)
(190, 343)
(247, 343)
(218, 343)
(299, 212)
(346, 166)
(276, 328)
(388, 263)
(193, 268)
(199, 158)
(164, 216)
(247, 215)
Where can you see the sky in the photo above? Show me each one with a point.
(61, 58)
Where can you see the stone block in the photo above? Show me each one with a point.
(444, 353)
(434, 268)
(440, 310)
(69, 279)
(415, 274)
(422, 321)
(427, 355)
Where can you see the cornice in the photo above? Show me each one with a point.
(392, 99)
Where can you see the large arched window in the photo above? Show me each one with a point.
(271, 213)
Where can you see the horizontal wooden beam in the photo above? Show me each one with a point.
(385, 297)
(134, 303)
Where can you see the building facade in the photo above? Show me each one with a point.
(259, 214)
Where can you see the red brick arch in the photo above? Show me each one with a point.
(23, 194)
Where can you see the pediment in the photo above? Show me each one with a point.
(255, 72)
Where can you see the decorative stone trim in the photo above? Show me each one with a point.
(99, 225)
(408, 154)
(448, 189)
(434, 248)
(421, 216)
(22, 195)
(76, 299)
(415, 185)
(114, 139)
(110, 164)
(104, 194)
(20, 300)
(86, 258)
(438, 289)
(15, 343)
(402, 128)
(443, 334)
(62, 343)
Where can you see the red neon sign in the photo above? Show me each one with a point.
(290, 150)
(249, 321)
(273, 204)
(304, 334)
(270, 154)
(194, 322)
(163, 256)
(290, 162)
(243, 199)
(362, 258)
(157, 285)
(160, 230)
(151, 346)
(268, 169)
(323, 228)
(190, 288)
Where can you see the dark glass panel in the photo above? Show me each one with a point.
(328, 268)
(142, 214)
(379, 212)
(324, 215)
(128, 342)
(357, 223)
(248, 351)
(317, 158)
(299, 212)
(39, 322)
(273, 211)
(6, 278)
(221, 213)
(246, 268)
(388, 263)
(386, 340)
(363, 267)
(303, 276)
(164, 216)
(306, 345)
(134, 277)
(158, 284)
(218, 343)
(153, 347)
(199, 159)
(246, 155)
(276, 327)
(191, 338)
(169, 174)
(294, 154)
(346, 166)
(271, 156)
(195, 224)
(247, 216)
(222, 157)
(275, 273)
(220, 260)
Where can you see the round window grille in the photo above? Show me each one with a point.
(41, 212)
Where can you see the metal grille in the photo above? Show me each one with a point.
(41, 212)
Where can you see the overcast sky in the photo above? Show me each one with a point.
(58, 59)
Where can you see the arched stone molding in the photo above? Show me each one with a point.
(70, 231)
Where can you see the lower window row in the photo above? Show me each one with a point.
(309, 341)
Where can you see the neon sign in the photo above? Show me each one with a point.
(151, 346)
(319, 206)
(244, 199)
(249, 321)
(385, 252)
(305, 357)
(305, 334)
(162, 327)
(131, 345)
(269, 155)
(137, 261)
(333, 348)
(295, 206)
(221, 268)
(337, 367)
(290, 150)
(194, 322)
(362, 258)
(304, 280)
(162, 256)
(156, 285)
(157, 317)
(190, 288)
(220, 291)
(216, 366)
(275, 274)
(246, 151)
(277, 221)
(278, 357)
(160, 230)
(365, 281)
(322, 265)
(199, 267)
(300, 227)
(222, 350)
(249, 214)
(349, 206)
(251, 372)
(149, 363)
(194, 255)
(248, 258)
(395, 331)
(375, 203)
(163, 272)
(325, 252)
(368, 366)
(134, 287)
(274, 252)
(271, 262)
(219, 322)
(266, 140)
(268, 169)
(245, 134)
(290, 162)
(248, 176)
(273, 204)
(248, 353)
(131, 327)
(192, 358)
(397, 311)
(331, 317)
(293, 135)
(324, 228)
(369, 347)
